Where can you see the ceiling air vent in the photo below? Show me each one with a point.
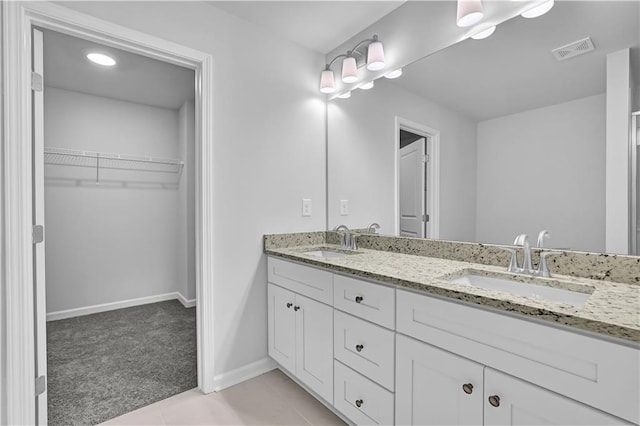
(574, 49)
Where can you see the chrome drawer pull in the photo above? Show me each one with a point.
(359, 299)
(467, 388)
(359, 348)
(494, 400)
(359, 403)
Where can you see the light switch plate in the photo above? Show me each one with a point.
(344, 207)
(306, 207)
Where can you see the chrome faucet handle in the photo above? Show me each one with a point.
(371, 229)
(544, 234)
(543, 268)
(513, 263)
(523, 240)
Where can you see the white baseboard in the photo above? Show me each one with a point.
(87, 310)
(187, 303)
(239, 375)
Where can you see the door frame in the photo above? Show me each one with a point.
(432, 137)
(18, 389)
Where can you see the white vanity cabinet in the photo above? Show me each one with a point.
(300, 328)
(436, 387)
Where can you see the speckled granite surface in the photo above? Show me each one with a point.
(613, 309)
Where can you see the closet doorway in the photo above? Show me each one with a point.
(118, 174)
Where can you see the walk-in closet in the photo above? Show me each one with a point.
(119, 229)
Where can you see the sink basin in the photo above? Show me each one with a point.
(329, 253)
(576, 298)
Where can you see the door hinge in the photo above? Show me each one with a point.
(425, 158)
(36, 82)
(41, 385)
(425, 218)
(37, 234)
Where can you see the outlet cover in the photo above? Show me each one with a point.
(344, 207)
(306, 207)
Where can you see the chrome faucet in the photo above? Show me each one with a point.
(523, 240)
(347, 240)
(372, 228)
(527, 267)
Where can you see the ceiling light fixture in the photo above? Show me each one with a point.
(538, 10)
(394, 74)
(366, 86)
(375, 62)
(101, 59)
(345, 95)
(484, 33)
(469, 12)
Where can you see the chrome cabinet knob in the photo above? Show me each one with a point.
(289, 305)
(467, 388)
(359, 299)
(296, 308)
(494, 400)
(359, 348)
(359, 403)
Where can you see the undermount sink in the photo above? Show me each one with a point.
(576, 297)
(329, 253)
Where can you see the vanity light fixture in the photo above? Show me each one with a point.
(366, 86)
(538, 10)
(375, 62)
(101, 59)
(394, 74)
(345, 95)
(470, 12)
(484, 33)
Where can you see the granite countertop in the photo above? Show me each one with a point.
(612, 309)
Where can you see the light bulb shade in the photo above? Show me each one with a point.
(375, 56)
(469, 12)
(349, 70)
(345, 95)
(538, 10)
(327, 82)
(484, 33)
(366, 86)
(394, 74)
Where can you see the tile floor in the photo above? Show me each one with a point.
(269, 399)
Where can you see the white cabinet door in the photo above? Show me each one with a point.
(510, 401)
(435, 387)
(314, 346)
(282, 326)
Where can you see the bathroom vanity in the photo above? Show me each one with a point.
(393, 338)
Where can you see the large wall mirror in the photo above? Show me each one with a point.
(500, 135)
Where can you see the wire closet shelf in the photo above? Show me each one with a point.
(104, 160)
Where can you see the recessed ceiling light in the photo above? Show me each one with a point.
(345, 95)
(101, 59)
(484, 33)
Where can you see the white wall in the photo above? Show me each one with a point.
(362, 159)
(186, 249)
(116, 240)
(544, 169)
(265, 89)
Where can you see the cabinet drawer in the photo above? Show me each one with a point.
(365, 347)
(352, 389)
(373, 302)
(598, 373)
(311, 282)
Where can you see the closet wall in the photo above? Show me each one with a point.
(117, 239)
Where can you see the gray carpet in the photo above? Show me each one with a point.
(103, 365)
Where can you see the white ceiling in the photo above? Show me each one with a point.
(134, 79)
(317, 25)
(514, 70)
